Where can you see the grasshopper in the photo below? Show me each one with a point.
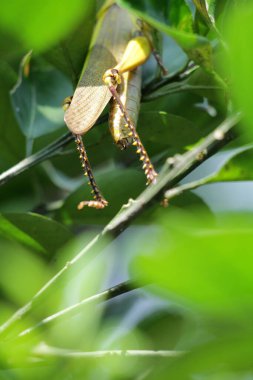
(119, 46)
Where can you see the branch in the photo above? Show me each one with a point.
(45, 153)
(181, 166)
(36, 158)
(106, 295)
(167, 178)
(45, 351)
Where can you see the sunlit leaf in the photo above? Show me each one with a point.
(21, 272)
(239, 32)
(198, 265)
(38, 25)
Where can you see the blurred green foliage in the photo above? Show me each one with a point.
(193, 266)
(39, 25)
(240, 58)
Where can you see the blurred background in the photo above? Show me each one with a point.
(170, 297)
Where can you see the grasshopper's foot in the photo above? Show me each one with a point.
(124, 143)
(97, 204)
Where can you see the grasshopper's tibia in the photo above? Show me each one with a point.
(159, 62)
(147, 32)
(147, 165)
(99, 202)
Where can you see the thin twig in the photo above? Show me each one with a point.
(168, 178)
(38, 157)
(175, 191)
(106, 295)
(45, 351)
(179, 76)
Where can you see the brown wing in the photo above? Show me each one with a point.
(91, 95)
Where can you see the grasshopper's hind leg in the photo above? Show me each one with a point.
(99, 202)
(146, 31)
(136, 53)
(150, 172)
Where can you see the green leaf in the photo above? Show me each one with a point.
(240, 62)
(34, 231)
(236, 168)
(190, 202)
(37, 98)
(203, 85)
(198, 265)
(233, 165)
(178, 14)
(21, 274)
(38, 25)
(165, 130)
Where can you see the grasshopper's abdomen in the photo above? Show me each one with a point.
(130, 95)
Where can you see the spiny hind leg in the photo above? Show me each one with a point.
(112, 78)
(99, 201)
(150, 172)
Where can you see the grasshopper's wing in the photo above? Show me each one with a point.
(91, 95)
(110, 38)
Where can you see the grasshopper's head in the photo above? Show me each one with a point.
(112, 77)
